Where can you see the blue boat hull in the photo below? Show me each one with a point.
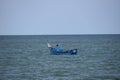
(59, 51)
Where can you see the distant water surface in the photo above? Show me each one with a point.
(28, 58)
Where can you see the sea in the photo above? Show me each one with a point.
(27, 57)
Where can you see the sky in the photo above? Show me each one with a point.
(39, 17)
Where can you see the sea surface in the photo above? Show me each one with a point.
(28, 57)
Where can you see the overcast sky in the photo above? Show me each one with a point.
(24, 17)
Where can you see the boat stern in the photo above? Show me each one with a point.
(73, 52)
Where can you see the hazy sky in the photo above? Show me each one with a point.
(18, 17)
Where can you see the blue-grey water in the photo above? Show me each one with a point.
(28, 58)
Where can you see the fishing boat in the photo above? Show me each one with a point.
(58, 51)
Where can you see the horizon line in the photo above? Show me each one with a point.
(51, 34)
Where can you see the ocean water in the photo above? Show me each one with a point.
(28, 58)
